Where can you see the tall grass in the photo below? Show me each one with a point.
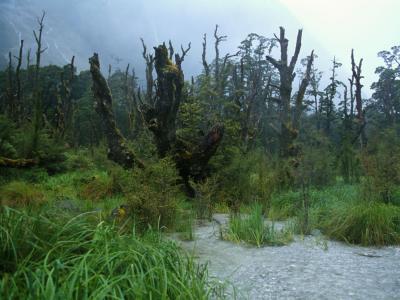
(343, 214)
(58, 257)
(365, 223)
(253, 229)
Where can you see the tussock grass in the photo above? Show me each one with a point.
(341, 213)
(365, 223)
(253, 230)
(21, 194)
(57, 257)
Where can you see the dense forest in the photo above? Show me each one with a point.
(98, 171)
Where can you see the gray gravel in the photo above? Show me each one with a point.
(309, 268)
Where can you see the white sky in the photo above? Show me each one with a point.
(368, 26)
(113, 28)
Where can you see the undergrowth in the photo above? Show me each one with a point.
(45, 256)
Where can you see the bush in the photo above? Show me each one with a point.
(56, 257)
(382, 168)
(247, 179)
(153, 193)
(21, 194)
(204, 201)
(79, 160)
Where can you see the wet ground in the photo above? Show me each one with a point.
(309, 268)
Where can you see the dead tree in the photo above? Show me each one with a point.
(149, 59)
(300, 94)
(39, 49)
(64, 97)
(161, 118)
(38, 116)
(289, 127)
(18, 99)
(118, 150)
(218, 40)
(356, 72)
(203, 56)
(10, 94)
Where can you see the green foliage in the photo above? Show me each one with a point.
(204, 201)
(152, 193)
(99, 187)
(246, 179)
(382, 168)
(253, 229)
(284, 205)
(21, 194)
(7, 132)
(341, 213)
(54, 257)
(365, 223)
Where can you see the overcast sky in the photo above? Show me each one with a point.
(113, 27)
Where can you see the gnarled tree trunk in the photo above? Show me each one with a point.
(118, 151)
(160, 118)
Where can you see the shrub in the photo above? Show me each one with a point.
(79, 161)
(382, 168)
(21, 194)
(204, 201)
(153, 193)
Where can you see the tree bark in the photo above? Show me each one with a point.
(160, 119)
(356, 71)
(289, 127)
(118, 151)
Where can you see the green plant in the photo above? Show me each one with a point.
(21, 194)
(100, 186)
(365, 223)
(253, 229)
(204, 201)
(48, 256)
(153, 194)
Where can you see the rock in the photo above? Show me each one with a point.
(316, 232)
(66, 204)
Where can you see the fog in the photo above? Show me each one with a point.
(114, 27)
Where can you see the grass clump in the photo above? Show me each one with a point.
(58, 257)
(342, 213)
(365, 223)
(99, 187)
(253, 229)
(21, 194)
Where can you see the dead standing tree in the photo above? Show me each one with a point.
(203, 56)
(289, 127)
(149, 59)
(118, 151)
(161, 118)
(65, 107)
(18, 99)
(356, 78)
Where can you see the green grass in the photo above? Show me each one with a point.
(52, 256)
(341, 213)
(253, 230)
(365, 223)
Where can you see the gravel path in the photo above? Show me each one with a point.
(309, 268)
